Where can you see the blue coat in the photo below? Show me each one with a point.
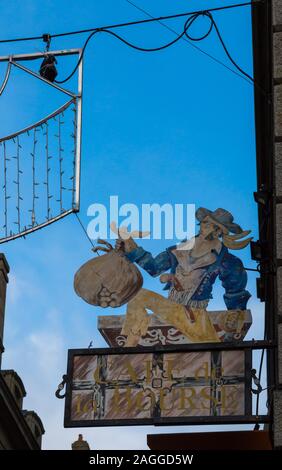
(227, 267)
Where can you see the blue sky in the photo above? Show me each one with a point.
(172, 126)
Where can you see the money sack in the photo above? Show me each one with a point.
(109, 280)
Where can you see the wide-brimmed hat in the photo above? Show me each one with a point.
(220, 217)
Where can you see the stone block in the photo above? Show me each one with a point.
(279, 290)
(277, 12)
(278, 110)
(278, 169)
(277, 419)
(280, 353)
(279, 231)
(277, 55)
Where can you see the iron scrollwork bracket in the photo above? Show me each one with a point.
(256, 382)
(61, 386)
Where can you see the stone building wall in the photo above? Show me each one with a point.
(277, 93)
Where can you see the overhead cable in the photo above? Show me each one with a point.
(130, 23)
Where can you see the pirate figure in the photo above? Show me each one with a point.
(193, 267)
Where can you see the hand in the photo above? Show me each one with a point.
(126, 245)
(164, 278)
(172, 279)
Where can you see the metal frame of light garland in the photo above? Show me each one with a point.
(75, 101)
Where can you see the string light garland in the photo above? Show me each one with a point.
(39, 163)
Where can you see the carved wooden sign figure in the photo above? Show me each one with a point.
(174, 378)
(189, 271)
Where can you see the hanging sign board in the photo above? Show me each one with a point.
(108, 387)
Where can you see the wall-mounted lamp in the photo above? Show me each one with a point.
(257, 250)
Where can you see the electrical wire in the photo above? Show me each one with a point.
(189, 42)
(187, 25)
(84, 229)
(213, 24)
(260, 369)
(259, 377)
(133, 46)
(131, 23)
(79, 61)
(204, 52)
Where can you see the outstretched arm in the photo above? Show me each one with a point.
(234, 280)
(154, 266)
